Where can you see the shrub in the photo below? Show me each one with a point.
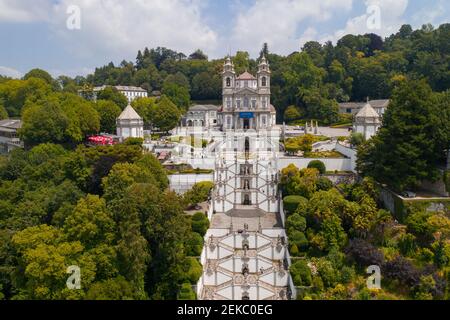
(194, 244)
(200, 223)
(193, 270)
(299, 239)
(319, 165)
(186, 292)
(324, 184)
(296, 222)
(301, 273)
(291, 203)
(364, 253)
(356, 139)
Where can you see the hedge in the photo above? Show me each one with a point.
(291, 203)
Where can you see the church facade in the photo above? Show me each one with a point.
(246, 99)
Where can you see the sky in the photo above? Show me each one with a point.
(72, 37)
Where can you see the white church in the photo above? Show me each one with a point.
(245, 256)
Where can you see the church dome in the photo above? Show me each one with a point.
(129, 114)
(367, 112)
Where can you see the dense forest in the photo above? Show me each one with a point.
(107, 210)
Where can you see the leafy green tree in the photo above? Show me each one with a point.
(166, 115)
(410, 144)
(206, 86)
(112, 94)
(301, 273)
(108, 112)
(150, 162)
(44, 123)
(319, 165)
(40, 74)
(177, 94)
(199, 223)
(144, 107)
(291, 114)
(356, 139)
(90, 223)
(198, 193)
(44, 257)
(3, 113)
(112, 289)
(186, 292)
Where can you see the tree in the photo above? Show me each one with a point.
(177, 94)
(206, 86)
(264, 50)
(40, 74)
(301, 273)
(319, 165)
(198, 55)
(410, 144)
(291, 114)
(198, 193)
(296, 222)
(44, 123)
(90, 223)
(364, 253)
(145, 108)
(186, 292)
(3, 113)
(356, 139)
(112, 289)
(302, 182)
(291, 203)
(112, 94)
(108, 112)
(323, 183)
(199, 223)
(44, 256)
(166, 114)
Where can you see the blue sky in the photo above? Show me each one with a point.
(33, 33)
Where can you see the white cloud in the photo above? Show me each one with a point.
(10, 72)
(276, 22)
(120, 28)
(117, 29)
(23, 10)
(391, 14)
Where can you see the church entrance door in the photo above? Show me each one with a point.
(246, 124)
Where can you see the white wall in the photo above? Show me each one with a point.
(180, 183)
(331, 164)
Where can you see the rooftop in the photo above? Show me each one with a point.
(246, 76)
(204, 107)
(121, 88)
(129, 114)
(11, 123)
(367, 112)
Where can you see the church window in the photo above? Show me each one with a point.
(228, 82)
(264, 102)
(228, 103)
(246, 102)
(264, 81)
(254, 104)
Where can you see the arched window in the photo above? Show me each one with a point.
(264, 81)
(228, 82)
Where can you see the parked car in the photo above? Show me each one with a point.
(408, 194)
